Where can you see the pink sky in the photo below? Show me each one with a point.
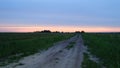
(59, 28)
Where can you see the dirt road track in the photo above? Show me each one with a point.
(58, 56)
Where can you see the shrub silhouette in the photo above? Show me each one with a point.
(46, 31)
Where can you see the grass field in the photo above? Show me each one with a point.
(87, 63)
(105, 46)
(16, 45)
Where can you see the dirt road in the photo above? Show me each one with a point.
(65, 54)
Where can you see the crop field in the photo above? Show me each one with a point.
(17, 45)
(105, 46)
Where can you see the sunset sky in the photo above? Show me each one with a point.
(60, 15)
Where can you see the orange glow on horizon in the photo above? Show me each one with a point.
(60, 28)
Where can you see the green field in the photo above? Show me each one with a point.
(16, 45)
(105, 46)
(87, 63)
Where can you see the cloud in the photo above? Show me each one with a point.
(43, 18)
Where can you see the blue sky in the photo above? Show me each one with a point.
(98, 13)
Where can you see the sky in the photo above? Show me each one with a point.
(60, 15)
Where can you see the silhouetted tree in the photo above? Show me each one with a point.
(46, 31)
(56, 32)
(82, 31)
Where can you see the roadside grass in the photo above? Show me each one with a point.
(87, 63)
(13, 46)
(105, 46)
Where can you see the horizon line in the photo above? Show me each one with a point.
(58, 28)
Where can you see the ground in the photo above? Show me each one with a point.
(64, 54)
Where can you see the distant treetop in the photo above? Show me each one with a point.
(82, 31)
(46, 31)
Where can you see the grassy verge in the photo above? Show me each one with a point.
(13, 46)
(87, 63)
(106, 47)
